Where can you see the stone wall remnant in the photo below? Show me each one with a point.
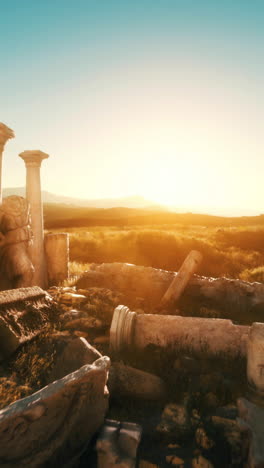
(229, 298)
(33, 160)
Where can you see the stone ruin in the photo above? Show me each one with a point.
(130, 366)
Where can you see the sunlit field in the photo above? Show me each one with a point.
(234, 252)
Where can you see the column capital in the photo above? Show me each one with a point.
(33, 158)
(6, 133)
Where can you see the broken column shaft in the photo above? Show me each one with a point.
(191, 335)
(33, 160)
(5, 135)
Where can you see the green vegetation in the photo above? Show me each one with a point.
(231, 247)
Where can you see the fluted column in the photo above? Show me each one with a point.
(33, 160)
(5, 134)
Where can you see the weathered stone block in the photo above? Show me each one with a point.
(24, 313)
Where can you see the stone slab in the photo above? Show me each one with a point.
(53, 426)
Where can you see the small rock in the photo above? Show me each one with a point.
(175, 461)
(211, 401)
(147, 464)
(173, 446)
(202, 439)
(81, 334)
(71, 299)
(201, 462)
(175, 419)
(83, 324)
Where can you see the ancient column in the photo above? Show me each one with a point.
(5, 134)
(192, 335)
(33, 160)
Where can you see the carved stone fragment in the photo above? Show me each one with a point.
(53, 426)
(23, 314)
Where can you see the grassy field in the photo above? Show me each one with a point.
(231, 247)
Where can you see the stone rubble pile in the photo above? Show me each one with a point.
(165, 405)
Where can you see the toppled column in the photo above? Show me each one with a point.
(5, 134)
(57, 257)
(198, 336)
(33, 160)
(180, 282)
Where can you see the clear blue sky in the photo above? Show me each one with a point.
(162, 98)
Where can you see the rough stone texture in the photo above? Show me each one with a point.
(76, 353)
(234, 299)
(53, 426)
(84, 324)
(251, 420)
(57, 257)
(15, 239)
(134, 383)
(199, 336)
(117, 444)
(23, 314)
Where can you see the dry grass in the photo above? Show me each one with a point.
(236, 252)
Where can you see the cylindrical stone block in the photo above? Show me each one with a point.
(255, 357)
(191, 335)
(57, 257)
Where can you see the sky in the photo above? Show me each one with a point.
(159, 98)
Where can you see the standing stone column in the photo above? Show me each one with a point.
(33, 160)
(5, 134)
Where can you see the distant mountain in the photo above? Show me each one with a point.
(135, 201)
